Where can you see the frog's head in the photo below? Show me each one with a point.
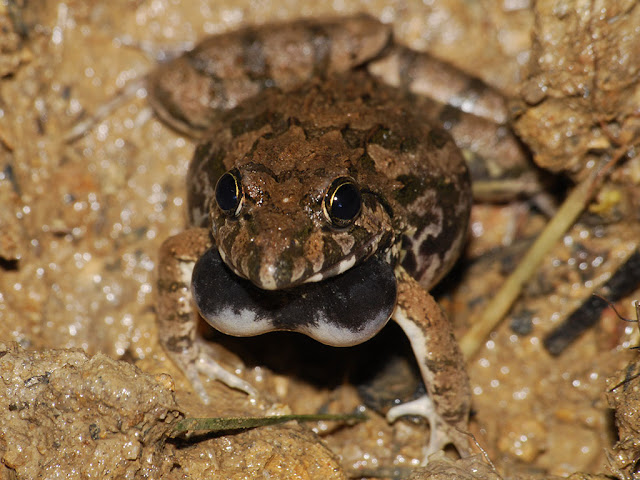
(300, 249)
(279, 230)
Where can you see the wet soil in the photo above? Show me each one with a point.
(86, 393)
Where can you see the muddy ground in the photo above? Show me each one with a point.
(91, 183)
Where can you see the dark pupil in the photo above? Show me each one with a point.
(227, 193)
(345, 204)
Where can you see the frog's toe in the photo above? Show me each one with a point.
(424, 407)
(420, 407)
(207, 366)
(192, 373)
(197, 360)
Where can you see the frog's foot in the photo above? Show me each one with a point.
(199, 361)
(424, 407)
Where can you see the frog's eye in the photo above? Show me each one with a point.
(229, 193)
(342, 203)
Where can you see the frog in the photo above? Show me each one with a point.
(321, 200)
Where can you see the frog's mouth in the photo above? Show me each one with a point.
(348, 262)
(269, 277)
(341, 310)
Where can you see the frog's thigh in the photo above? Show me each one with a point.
(177, 318)
(441, 363)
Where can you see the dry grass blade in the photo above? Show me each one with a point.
(566, 215)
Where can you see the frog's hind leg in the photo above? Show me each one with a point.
(441, 365)
(177, 318)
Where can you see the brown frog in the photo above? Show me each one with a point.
(321, 201)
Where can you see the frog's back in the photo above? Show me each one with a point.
(349, 125)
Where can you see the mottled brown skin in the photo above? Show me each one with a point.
(412, 176)
(288, 144)
(224, 70)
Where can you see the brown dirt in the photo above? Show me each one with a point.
(83, 217)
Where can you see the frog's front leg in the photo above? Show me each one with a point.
(177, 318)
(441, 365)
